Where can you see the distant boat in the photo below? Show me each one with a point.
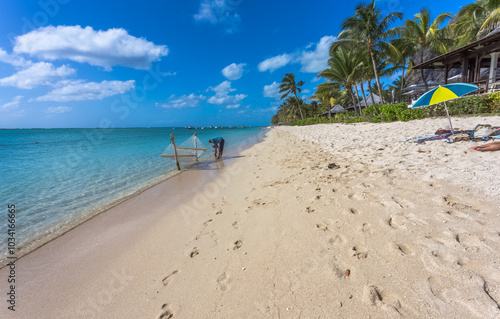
(190, 127)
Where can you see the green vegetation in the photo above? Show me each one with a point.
(370, 46)
(470, 105)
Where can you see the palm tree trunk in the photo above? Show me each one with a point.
(363, 93)
(376, 74)
(356, 98)
(402, 82)
(371, 91)
(297, 100)
(422, 70)
(352, 97)
(359, 104)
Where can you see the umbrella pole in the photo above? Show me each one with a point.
(449, 119)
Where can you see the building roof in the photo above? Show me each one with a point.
(369, 100)
(484, 46)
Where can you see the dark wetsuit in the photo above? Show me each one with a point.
(219, 141)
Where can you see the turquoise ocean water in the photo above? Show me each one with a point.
(57, 178)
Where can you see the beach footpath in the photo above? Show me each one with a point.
(329, 221)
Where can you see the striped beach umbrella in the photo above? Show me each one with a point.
(445, 93)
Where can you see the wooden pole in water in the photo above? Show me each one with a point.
(175, 151)
(196, 144)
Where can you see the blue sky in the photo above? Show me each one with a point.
(70, 63)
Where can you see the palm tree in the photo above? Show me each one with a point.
(345, 71)
(368, 28)
(407, 50)
(289, 86)
(476, 20)
(397, 88)
(427, 35)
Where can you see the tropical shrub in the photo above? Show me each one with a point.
(494, 102)
(392, 112)
(462, 106)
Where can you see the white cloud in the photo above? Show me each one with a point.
(85, 45)
(316, 60)
(38, 74)
(233, 71)
(222, 96)
(272, 90)
(13, 60)
(79, 90)
(219, 12)
(312, 61)
(276, 62)
(57, 109)
(183, 101)
(269, 109)
(14, 103)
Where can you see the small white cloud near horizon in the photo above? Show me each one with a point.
(14, 103)
(86, 45)
(80, 90)
(183, 101)
(275, 62)
(36, 75)
(234, 71)
(57, 109)
(222, 96)
(272, 90)
(219, 12)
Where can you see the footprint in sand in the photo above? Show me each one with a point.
(456, 203)
(235, 225)
(403, 203)
(167, 279)
(474, 295)
(337, 241)
(386, 300)
(397, 221)
(367, 229)
(357, 196)
(401, 249)
(437, 286)
(194, 252)
(359, 252)
(207, 222)
(352, 211)
(223, 281)
(166, 312)
(440, 263)
(238, 244)
(309, 210)
(322, 227)
(219, 212)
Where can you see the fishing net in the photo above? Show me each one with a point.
(188, 151)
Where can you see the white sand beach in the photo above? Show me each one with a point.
(400, 230)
